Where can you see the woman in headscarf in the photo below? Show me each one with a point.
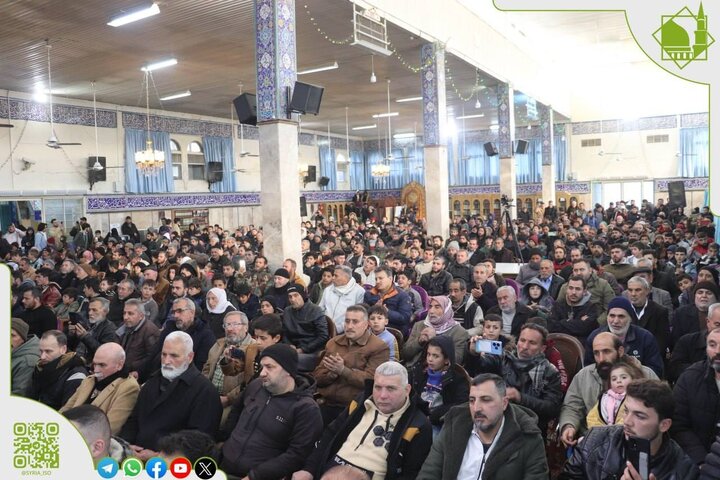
(216, 306)
(439, 321)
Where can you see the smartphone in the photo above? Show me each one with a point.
(241, 265)
(74, 318)
(493, 347)
(237, 353)
(638, 454)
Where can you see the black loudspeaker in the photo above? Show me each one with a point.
(306, 98)
(490, 149)
(246, 108)
(95, 176)
(676, 194)
(323, 181)
(521, 147)
(214, 172)
(303, 206)
(312, 174)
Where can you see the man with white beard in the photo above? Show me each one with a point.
(177, 397)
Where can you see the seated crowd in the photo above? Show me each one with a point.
(388, 353)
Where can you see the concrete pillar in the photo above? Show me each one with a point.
(432, 59)
(506, 137)
(548, 151)
(276, 61)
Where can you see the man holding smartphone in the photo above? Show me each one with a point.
(641, 445)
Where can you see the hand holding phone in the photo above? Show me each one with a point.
(237, 353)
(637, 452)
(493, 347)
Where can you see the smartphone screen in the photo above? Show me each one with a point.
(493, 347)
(638, 454)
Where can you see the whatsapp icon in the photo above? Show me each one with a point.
(132, 467)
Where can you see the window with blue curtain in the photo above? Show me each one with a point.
(328, 167)
(357, 170)
(220, 149)
(476, 167)
(694, 152)
(529, 165)
(560, 157)
(137, 182)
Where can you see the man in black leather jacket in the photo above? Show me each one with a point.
(602, 454)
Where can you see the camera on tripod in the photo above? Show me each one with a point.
(505, 201)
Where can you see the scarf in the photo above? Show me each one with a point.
(534, 367)
(446, 321)
(609, 405)
(222, 301)
(345, 289)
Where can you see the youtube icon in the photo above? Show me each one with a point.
(180, 467)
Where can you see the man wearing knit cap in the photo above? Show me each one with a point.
(25, 355)
(637, 341)
(304, 326)
(692, 318)
(281, 283)
(273, 426)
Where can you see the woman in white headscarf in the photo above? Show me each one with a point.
(216, 306)
(439, 321)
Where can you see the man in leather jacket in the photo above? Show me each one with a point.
(602, 453)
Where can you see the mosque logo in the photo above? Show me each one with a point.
(675, 33)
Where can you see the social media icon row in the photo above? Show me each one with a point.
(156, 468)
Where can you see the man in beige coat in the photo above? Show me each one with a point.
(110, 388)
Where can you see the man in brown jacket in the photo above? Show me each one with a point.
(138, 336)
(110, 388)
(349, 360)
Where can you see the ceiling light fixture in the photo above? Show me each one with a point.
(365, 127)
(149, 161)
(464, 117)
(399, 136)
(186, 93)
(323, 68)
(134, 15)
(408, 99)
(158, 65)
(373, 78)
(384, 115)
(477, 102)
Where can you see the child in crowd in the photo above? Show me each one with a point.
(147, 291)
(266, 330)
(378, 322)
(609, 409)
(69, 304)
(107, 287)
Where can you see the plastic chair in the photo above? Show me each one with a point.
(572, 352)
(399, 337)
(423, 296)
(332, 330)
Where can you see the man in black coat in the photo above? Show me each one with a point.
(58, 372)
(177, 398)
(687, 318)
(575, 314)
(86, 338)
(650, 315)
(39, 318)
(513, 313)
(691, 347)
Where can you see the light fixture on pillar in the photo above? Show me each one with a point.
(149, 161)
(373, 78)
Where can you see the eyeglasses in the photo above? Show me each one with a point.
(179, 310)
(233, 325)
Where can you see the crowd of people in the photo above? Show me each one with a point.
(388, 353)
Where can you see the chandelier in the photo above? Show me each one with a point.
(149, 161)
(380, 170)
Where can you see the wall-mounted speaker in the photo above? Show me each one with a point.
(324, 181)
(312, 174)
(490, 149)
(676, 194)
(303, 206)
(521, 147)
(246, 108)
(306, 98)
(95, 176)
(214, 172)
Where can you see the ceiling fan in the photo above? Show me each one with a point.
(53, 141)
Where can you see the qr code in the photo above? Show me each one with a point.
(36, 445)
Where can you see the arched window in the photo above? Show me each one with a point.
(476, 207)
(528, 204)
(496, 207)
(563, 204)
(176, 159)
(196, 161)
(466, 207)
(486, 207)
(456, 206)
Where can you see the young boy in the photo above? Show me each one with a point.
(107, 288)
(378, 322)
(266, 330)
(149, 304)
(68, 304)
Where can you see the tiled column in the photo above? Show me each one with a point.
(432, 59)
(506, 136)
(548, 150)
(276, 62)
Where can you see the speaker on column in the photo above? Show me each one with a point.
(214, 172)
(490, 149)
(306, 98)
(95, 176)
(521, 147)
(312, 174)
(323, 182)
(246, 108)
(303, 206)
(676, 194)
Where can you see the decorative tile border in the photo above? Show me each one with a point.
(694, 120)
(658, 123)
(249, 132)
(432, 61)
(573, 187)
(62, 113)
(663, 122)
(474, 189)
(184, 126)
(690, 183)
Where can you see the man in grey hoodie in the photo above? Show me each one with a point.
(574, 313)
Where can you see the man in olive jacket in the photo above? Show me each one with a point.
(516, 448)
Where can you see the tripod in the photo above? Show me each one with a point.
(505, 217)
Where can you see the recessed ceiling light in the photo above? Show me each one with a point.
(323, 68)
(186, 93)
(365, 127)
(399, 136)
(465, 117)
(133, 16)
(161, 64)
(408, 99)
(383, 115)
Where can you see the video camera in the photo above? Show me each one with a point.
(505, 201)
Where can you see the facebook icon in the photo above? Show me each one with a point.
(156, 468)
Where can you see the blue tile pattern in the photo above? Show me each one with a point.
(275, 56)
(63, 114)
(547, 133)
(505, 112)
(432, 61)
(183, 126)
(694, 120)
(690, 183)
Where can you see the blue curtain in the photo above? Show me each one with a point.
(328, 168)
(137, 182)
(529, 165)
(415, 171)
(357, 171)
(476, 167)
(560, 157)
(220, 149)
(694, 152)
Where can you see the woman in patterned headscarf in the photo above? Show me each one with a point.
(439, 321)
